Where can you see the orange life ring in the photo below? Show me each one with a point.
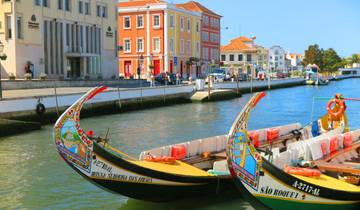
(341, 105)
(162, 159)
(302, 171)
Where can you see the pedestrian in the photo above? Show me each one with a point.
(177, 79)
(152, 80)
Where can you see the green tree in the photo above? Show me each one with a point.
(331, 60)
(355, 59)
(314, 55)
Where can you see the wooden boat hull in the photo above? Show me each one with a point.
(117, 175)
(282, 191)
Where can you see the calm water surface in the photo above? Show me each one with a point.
(32, 176)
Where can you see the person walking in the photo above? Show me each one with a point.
(177, 79)
(152, 80)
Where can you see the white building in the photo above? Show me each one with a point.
(295, 61)
(61, 38)
(242, 52)
(277, 58)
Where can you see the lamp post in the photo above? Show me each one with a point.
(2, 57)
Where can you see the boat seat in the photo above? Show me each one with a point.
(282, 159)
(355, 135)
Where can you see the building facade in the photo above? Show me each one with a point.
(242, 52)
(210, 35)
(295, 60)
(60, 38)
(156, 36)
(277, 56)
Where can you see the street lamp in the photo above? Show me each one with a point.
(2, 57)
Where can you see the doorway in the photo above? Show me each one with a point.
(74, 68)
(156, 67)
(127, 69)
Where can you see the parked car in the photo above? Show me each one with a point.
(282, 75)
(162, 78)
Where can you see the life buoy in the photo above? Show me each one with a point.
(162, 159)
(338, 102)
(40, 109)
(302, 171)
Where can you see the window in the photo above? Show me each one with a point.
(127, 45)
(197, 47)
(156, 21)
(172, 21)
(181, 46)
(140, 45)
(67, 5)
(80, 7)
(206, 20)
(205, 36)
(140, 21)
(248, 57)
(87, 8)
(197, 27)
(240, 57)
(127, 22)
(37, 2)
(156, 45)
(223, 57)
(9, 27)
(45, 3)
(182, 23)
(171, 45)
(19, 27)
(98, 10)
(231, 57)
(188, 47)
(60, 4)
(188, 25)
(104, 12)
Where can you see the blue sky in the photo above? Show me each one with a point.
(293, 24)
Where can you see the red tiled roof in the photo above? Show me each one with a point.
(196, 7)
(238, 45)
(136, 3)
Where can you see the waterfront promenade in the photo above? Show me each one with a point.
(27, 99)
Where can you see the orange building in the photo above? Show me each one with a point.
(156, 36)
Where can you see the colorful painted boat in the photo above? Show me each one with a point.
(264, 182)
(201, 171)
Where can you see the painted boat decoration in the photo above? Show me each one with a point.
(188, 169)
(273, 181)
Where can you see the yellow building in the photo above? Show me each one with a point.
(59, 38)
(184, 38)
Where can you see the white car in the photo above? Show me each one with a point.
(216, 77)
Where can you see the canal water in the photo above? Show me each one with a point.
(32, 176)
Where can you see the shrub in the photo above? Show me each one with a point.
(12, 76)
(43, 76)
(27, 76)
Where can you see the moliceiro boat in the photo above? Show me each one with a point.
(317, 173)
(188, 169)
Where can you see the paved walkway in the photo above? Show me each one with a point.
(26, 93)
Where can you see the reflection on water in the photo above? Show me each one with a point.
(32, 175)
(204, 203)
